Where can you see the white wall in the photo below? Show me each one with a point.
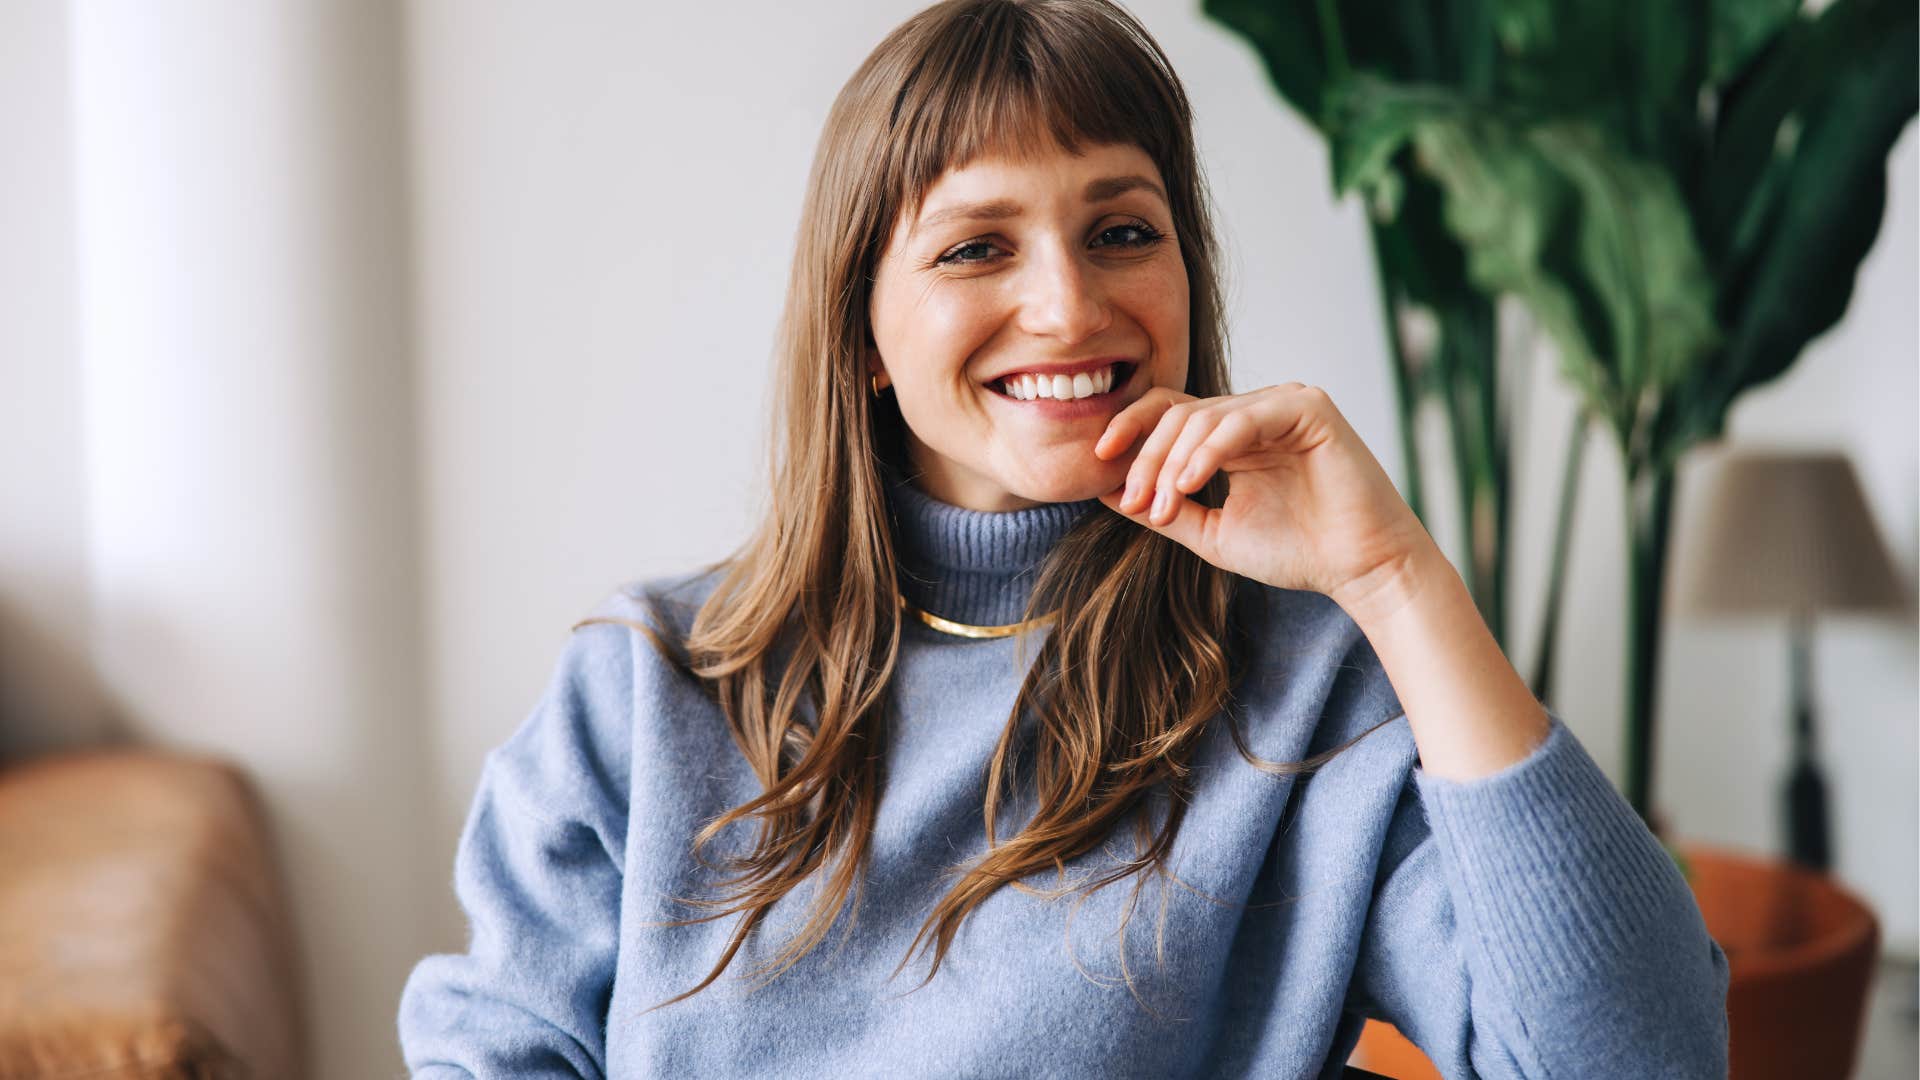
(408, 336)
(246, 382)
(46, 693)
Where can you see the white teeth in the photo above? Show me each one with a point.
(1029, 387)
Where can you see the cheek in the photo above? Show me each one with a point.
(1165, 314)
(1159, 303)
(941, 333)
(946, 325)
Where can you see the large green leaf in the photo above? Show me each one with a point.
(1595, 241)
(1638, 254)
(1418, 253)
(1737, 29)
(1831, 181)
(1286, 35)
(1369, 120)
(1760, 115)
(1445, 42)
(1512, 212)
(1632, 67)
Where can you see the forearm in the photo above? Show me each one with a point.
(1586, 952)
(1585, 946)
(1471, 713)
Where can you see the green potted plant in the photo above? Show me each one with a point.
(1678, 194)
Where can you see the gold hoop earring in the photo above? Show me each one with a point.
(874, 381)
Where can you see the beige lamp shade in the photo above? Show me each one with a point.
(1784, 531)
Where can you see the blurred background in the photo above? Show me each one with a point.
(354, 350)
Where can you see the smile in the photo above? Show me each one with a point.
(1029, 386)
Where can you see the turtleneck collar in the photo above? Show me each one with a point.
(972, 566)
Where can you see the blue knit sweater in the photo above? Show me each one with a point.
(1524, 924)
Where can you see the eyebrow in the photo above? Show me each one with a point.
(1106, 187)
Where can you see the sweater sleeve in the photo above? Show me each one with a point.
(1527, 924)
(538, 873)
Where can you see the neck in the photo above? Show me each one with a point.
(972, 566)
(940, 478)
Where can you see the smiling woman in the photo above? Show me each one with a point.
(1004, 421)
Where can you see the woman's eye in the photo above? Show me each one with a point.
(1145, 235)
(954, 255)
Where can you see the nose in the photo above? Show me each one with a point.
(1062, 298)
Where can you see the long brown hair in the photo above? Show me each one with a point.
(1147, 642)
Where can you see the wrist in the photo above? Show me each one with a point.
(1390, 591)
(1470, 712)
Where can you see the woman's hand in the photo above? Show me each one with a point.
(1307, 507)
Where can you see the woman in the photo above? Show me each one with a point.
(1033, 581)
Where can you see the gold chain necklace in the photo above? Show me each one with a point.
(948, 626)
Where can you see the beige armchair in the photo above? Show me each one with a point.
(144, 927)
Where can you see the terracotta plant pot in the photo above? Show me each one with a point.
(1800, 950)
(1384, 1050)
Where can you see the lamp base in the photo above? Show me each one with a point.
(1805, 804)
(1804, 796)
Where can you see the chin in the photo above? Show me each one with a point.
(1072, 485)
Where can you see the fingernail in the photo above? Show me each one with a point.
(1160, 501)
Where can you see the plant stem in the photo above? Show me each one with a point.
(1406, 393)
(1650, 495)
(1332, 44)
(1542, 681)
(1467, 374)
(1498, 475)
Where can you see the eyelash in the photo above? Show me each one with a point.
(1148, 237)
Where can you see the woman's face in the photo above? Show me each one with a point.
(1023, 306)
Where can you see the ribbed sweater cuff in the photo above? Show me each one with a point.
(1553, 868)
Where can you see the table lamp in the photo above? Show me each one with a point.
(1788, 532)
